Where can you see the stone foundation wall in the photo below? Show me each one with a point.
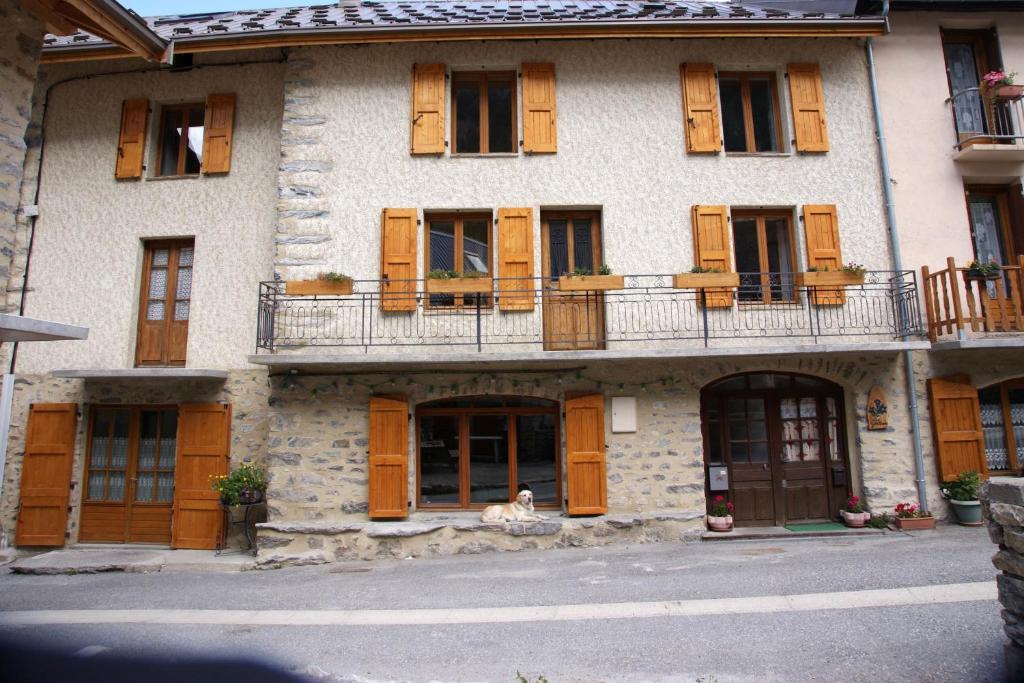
(1002, 503)
(246, 390)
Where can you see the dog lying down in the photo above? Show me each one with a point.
(519, 511)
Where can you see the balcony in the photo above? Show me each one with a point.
(646, 318)
(965, 310)
(987, 129)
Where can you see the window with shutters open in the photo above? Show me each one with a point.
(195, 138)
(764, 255)
(165, 306)
(458, 243)
(484, 112)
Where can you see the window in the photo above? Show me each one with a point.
(460, 243)
(166, 303)
(1002, 424)
(180, 149)
(750, 112)
(970, 55)
(484, 119)
(478, 452)
(571, 241)
(131, 455)
(764, 256)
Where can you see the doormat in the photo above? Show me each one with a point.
(821, 526)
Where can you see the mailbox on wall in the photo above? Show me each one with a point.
(718, 478)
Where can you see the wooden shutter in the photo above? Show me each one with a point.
(427, 109)
(46, 474)
(808, 100)
(700, 108)
(204, 444)
(821, 229)
(711, 247)
(584, 454)
(217, 131)
(389, 457)
(956, 422)
(515, 259)
(131, 144)
(398, 260)
(540, 132)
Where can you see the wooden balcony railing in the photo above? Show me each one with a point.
(958, 303)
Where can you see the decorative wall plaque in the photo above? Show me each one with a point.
(878, 409)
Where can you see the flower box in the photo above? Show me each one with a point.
(460, 285)
(828, 278)
(318, 287)
(705, 280)
(1007, 93)
(591, 283)
(915, 523)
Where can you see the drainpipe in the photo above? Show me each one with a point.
(894, 247)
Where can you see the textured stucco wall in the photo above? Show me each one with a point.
(87, 253)
(21, 36)
(931, 210)
(621, 148)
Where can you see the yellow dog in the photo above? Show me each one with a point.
(519, 511)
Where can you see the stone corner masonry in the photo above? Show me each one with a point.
(1002, 502)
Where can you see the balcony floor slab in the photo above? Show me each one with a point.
(1011, 152)
(139, 374)
(553, 360)
(980, 343)
(17, 328)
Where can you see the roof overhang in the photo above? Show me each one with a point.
(129, 33)
(768, 28)
(958, 6)
(17, 328)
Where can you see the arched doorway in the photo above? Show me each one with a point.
(475, 451)
(774, 444)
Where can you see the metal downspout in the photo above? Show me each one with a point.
(894, 246)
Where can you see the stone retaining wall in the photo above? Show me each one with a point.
(1002, 502)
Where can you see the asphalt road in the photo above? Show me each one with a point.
(826, 639)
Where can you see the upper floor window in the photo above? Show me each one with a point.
(459, 243)
(180, 149)
(969, 56)
(484, 117)
(764, 255)
(166, 303)
(750, 112)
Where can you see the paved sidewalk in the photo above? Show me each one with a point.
(133, 560)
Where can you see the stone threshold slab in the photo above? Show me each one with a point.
(388, 361)
(136, 560)
(778, 532)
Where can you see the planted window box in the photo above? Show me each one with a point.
(450, 282)
(977, 270)
(327, 284)
(581, 280)
(910, 517)
(705, 280)
(829, 278)
(1000, 86)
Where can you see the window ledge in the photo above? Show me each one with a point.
(496, 155)
(769, 155)
(174, 177)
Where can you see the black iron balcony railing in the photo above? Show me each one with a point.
(981, 118)
(647, 312)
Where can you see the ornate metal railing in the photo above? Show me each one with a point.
(959, 301)
(980, 118)
(647, 312)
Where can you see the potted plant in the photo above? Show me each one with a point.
(720, 515)
(582, 279)
(851, 274)
(963, 495)
(1000, 86)
(976, 270)
(246, 485)
(910, 516)
(853, 513)
(700, 277)
(441, 281)
(329, 283)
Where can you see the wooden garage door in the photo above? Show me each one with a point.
(204, 440)
(46, 474)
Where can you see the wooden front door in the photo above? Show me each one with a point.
(571, 241)
(781, 439)
(129, 480)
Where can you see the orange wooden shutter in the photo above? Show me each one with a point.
(218, 127)
(46, 474)
(540, 131)
(515, 259)
(700, 108)
(427, 109)
(204, 444)
(389, 457)
(821, 228)
(398, 260)
(956, 422)
(131, 144)
(711, 247)
(584, 454)
(808, 100)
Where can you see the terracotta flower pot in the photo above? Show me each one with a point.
(1008, 92)
(720, 523)
(855, 520)
(915, 523)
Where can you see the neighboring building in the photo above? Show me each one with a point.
(957, 160)
(388, 140)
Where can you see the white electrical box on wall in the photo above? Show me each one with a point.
(623, 414)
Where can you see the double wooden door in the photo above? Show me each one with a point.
(571, 241)
(783, 452)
